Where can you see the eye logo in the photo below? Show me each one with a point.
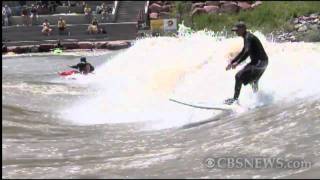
(170, 23)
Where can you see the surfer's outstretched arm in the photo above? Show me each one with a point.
(74, 66)
(239, 58)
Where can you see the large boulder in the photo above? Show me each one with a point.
(72, 45)
(197, 5)
(85, 45)
(249, 2)
(116, 45)
(4, 49)
(297, 26)
(165, 8)
(155, 8)
(244, 5)
(34, 48)
(302, 28)
(157, 2)
(167, 3)
(23, 49)
(46, 47)
(10, 48)
(212, 3)
(229, 7)
(17, 50)
(257, 3)
(314, 27)
(101, 45)
(198, 11)
(211, 9)
(222, 2)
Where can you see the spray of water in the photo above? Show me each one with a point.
(136, 84)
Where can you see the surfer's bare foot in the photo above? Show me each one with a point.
(230, 101)
(255, 87)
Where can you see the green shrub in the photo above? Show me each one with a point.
(269, 16)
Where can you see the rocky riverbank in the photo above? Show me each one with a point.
(218, 7)
(303, 28)
(109, 45)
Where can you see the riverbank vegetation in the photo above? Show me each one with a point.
(269, 17)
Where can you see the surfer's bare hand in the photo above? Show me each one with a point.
(234, 65)
(231, 65)
(228, 67)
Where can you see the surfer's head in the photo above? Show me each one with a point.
(83, 59)
(240, 28)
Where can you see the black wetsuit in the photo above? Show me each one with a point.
(252, 72)
(83, 67)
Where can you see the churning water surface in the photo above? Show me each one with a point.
(119, 122)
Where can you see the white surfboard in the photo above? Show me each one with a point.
(222, 107)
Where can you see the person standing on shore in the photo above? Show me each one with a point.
(87, 12)
(61, 25)
(6, 14)
(252, 72)
(59, 45)
(34, 14)
(25, 16)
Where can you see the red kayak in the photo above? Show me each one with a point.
(68, 73)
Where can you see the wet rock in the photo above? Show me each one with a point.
(222, 2)
(34, 49)
(72, 45)
(18, 50)
(305, 18)
(305, 28)
(198, 11)
(249, 2)
(197, 5)
(212, 3)
(101, 45)
(165, 8)
(4, 49)
(116, 45)
(85, 45)
(211, 9)
(314, 27)
(257, 3)
(155, 8)
(292, 38)
(314, 15)
(244, 5)
(215, 7)
(302, 28)
(297, 26)
(229, 7)
(159, 3)
(10, 48)
(45, 47)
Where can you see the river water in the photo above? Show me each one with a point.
(119, 122)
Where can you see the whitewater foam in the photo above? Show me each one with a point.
(135, 85)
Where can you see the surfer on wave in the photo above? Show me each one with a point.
(252, 72)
